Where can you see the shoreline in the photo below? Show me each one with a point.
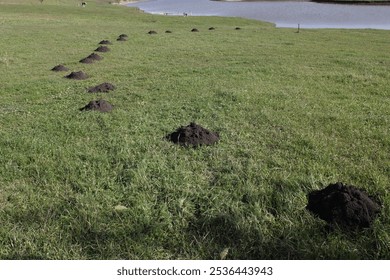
(364, 3)
(125, 2)
(341, 2)
(338, 2)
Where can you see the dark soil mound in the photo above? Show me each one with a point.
(98, 105)
(80, 75)
(168, 31)
(59, 67)
(102, 49)
(238, 28)
(211, 28)
(193, 135)
(87, 60)
(122, 39)
(104, 87)
(94, 56)
(123, 35)
(105, 42)
(194, 30)
(152, 32)
(344, 205)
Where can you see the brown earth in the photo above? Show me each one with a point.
(80, 75)
(60, 67)
(105, 42)
(104, 87)
(102, 49)
(98, 105)
(94, 56)
(343, 205)
(193, 135)
(87, 60)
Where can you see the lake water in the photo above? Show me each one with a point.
(282, 14)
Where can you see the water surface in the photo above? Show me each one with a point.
(282, 14)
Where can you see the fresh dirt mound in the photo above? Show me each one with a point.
(344, 205)
(211, 28)
(94, 56)
(105, 42)
(238, 28)
(194, 30)
(152, 32)
(193, 135)
(168, 31)
(80, 75)
(59, 67)
(104, 87)
(102, 49)
(97, 105)
(122, 39)
(123, 35)
(91, 58)
(87, 60)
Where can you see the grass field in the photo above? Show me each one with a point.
(295, 112)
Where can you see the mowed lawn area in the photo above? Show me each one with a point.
(295, 112)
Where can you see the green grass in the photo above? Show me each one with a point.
(295, 111)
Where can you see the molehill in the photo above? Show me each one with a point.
(80, 75)
(105, 42)
(102, 49)
(344, 205)
(60, 67)
(97, 105)
(193, 135)
(104, 87)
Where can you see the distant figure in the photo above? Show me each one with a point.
(185, 14)
(83, 4)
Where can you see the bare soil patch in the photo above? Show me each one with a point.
(80, 75)
(87, 60)
(98, 105)
(59, 68)
(344, 205)
(104, 87)
(193, 135)
(105, 42)
(91, 58)
(122, 37)
(102, 49)
(95, 56)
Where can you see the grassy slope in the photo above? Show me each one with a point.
(295, 113)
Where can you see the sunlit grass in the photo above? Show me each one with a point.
(295, 112)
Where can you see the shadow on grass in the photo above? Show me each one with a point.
(283, 241)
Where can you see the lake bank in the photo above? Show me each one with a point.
(284, 14)
(344, 2)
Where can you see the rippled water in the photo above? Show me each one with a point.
(283, 14)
